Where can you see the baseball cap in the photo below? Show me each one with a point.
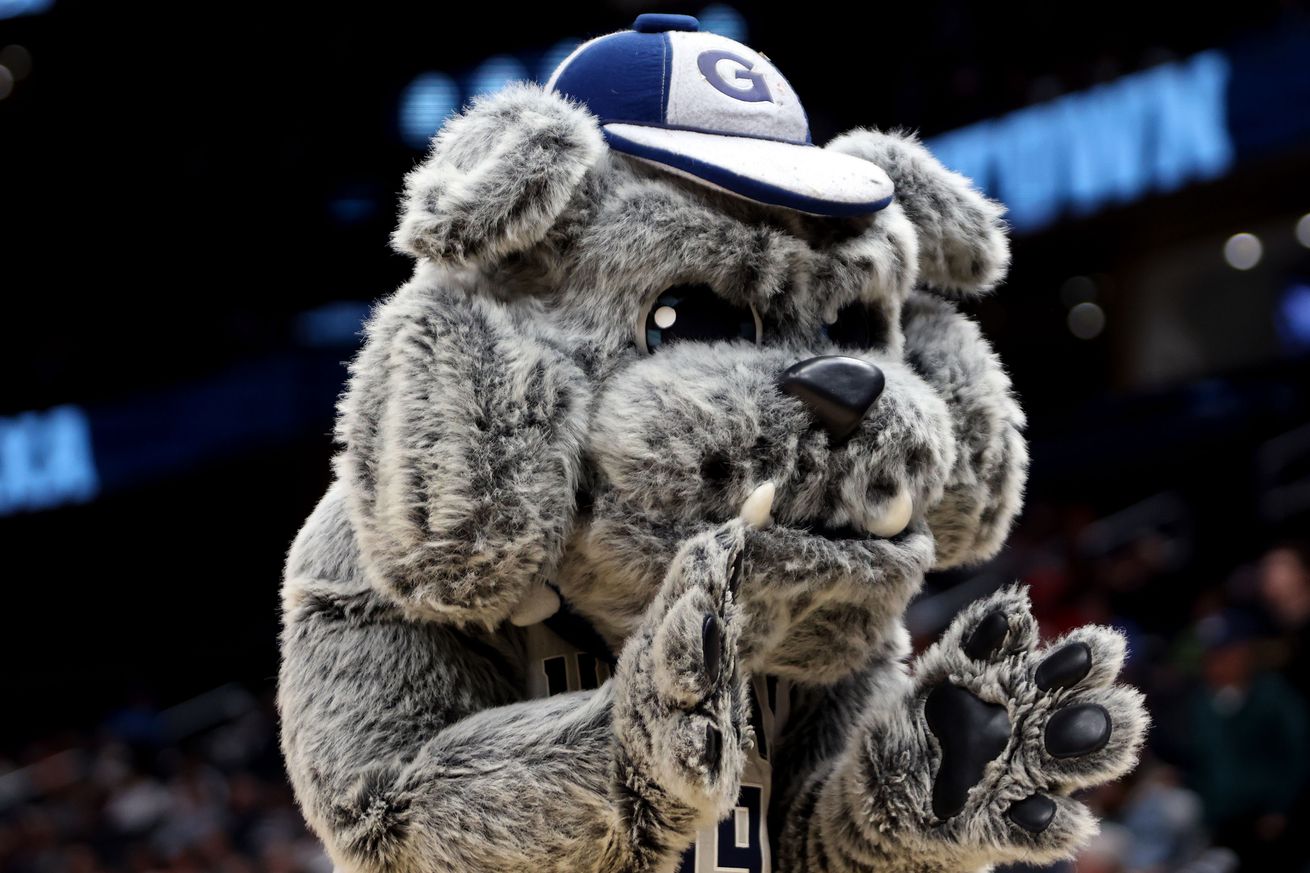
(707, 107)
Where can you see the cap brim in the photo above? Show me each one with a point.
(793, 175)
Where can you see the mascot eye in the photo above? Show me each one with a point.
(858, 326)
(695, 312)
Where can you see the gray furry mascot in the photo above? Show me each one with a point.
(637, 475)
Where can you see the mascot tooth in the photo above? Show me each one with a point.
(895, 518)
(755, 509)
(538, 604)
(533, 626)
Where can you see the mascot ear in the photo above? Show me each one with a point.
(498, 177)
(963, 248)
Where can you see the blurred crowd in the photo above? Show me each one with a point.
(1224, 660)
(136, 796)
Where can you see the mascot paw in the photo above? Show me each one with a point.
(682, 711)
(1012, 729)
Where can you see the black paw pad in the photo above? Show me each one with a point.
(711, 640)
(734, 575)
(1033, 814)
(971, 733)
(713, 746)
(1066, 666)
(987, 636)
(1077, 730)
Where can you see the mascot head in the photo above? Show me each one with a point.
(743, 307)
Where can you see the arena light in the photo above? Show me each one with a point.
(336, 324)
(425, 104)
(1086, 321)
(46, 460)
(495, 73)
(15, 8)
(1303, 230)
(724, 20)
(6, 82)
(1243, 251)
(353, 208)
(1294, 317)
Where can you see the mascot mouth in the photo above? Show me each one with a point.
(891, 522)
(806, 581)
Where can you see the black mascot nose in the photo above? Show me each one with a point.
(838, 390)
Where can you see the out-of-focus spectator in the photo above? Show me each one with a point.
(1107, 851)
(1164, 820)
(1249, 738)
(214, 801)
(1225, 783)
(1284, 579)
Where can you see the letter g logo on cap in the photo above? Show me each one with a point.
(708, 62)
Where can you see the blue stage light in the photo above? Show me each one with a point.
(1294, 317)
(495, 73)
(46, 460)
(333, 324)
(724, 20)
(425, 104)
(15, 8)
(353, 207)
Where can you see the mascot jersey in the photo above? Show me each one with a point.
(564, 655)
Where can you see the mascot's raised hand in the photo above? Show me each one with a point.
(637, 475)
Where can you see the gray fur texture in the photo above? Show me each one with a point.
(502, 428)
(962, 246)
(497, 179)
(864, 806)
(984, 489)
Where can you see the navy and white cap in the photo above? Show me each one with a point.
(710, 108)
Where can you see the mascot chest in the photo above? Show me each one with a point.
(565, 654)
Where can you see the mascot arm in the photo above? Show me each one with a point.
(402, 760)
(462, 438)
(409, 749)
(461, 428)
(984, 490)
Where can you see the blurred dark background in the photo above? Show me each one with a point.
(195, 200)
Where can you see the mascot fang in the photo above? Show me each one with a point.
(637, 474)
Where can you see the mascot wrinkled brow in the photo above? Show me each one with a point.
(673, 383)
